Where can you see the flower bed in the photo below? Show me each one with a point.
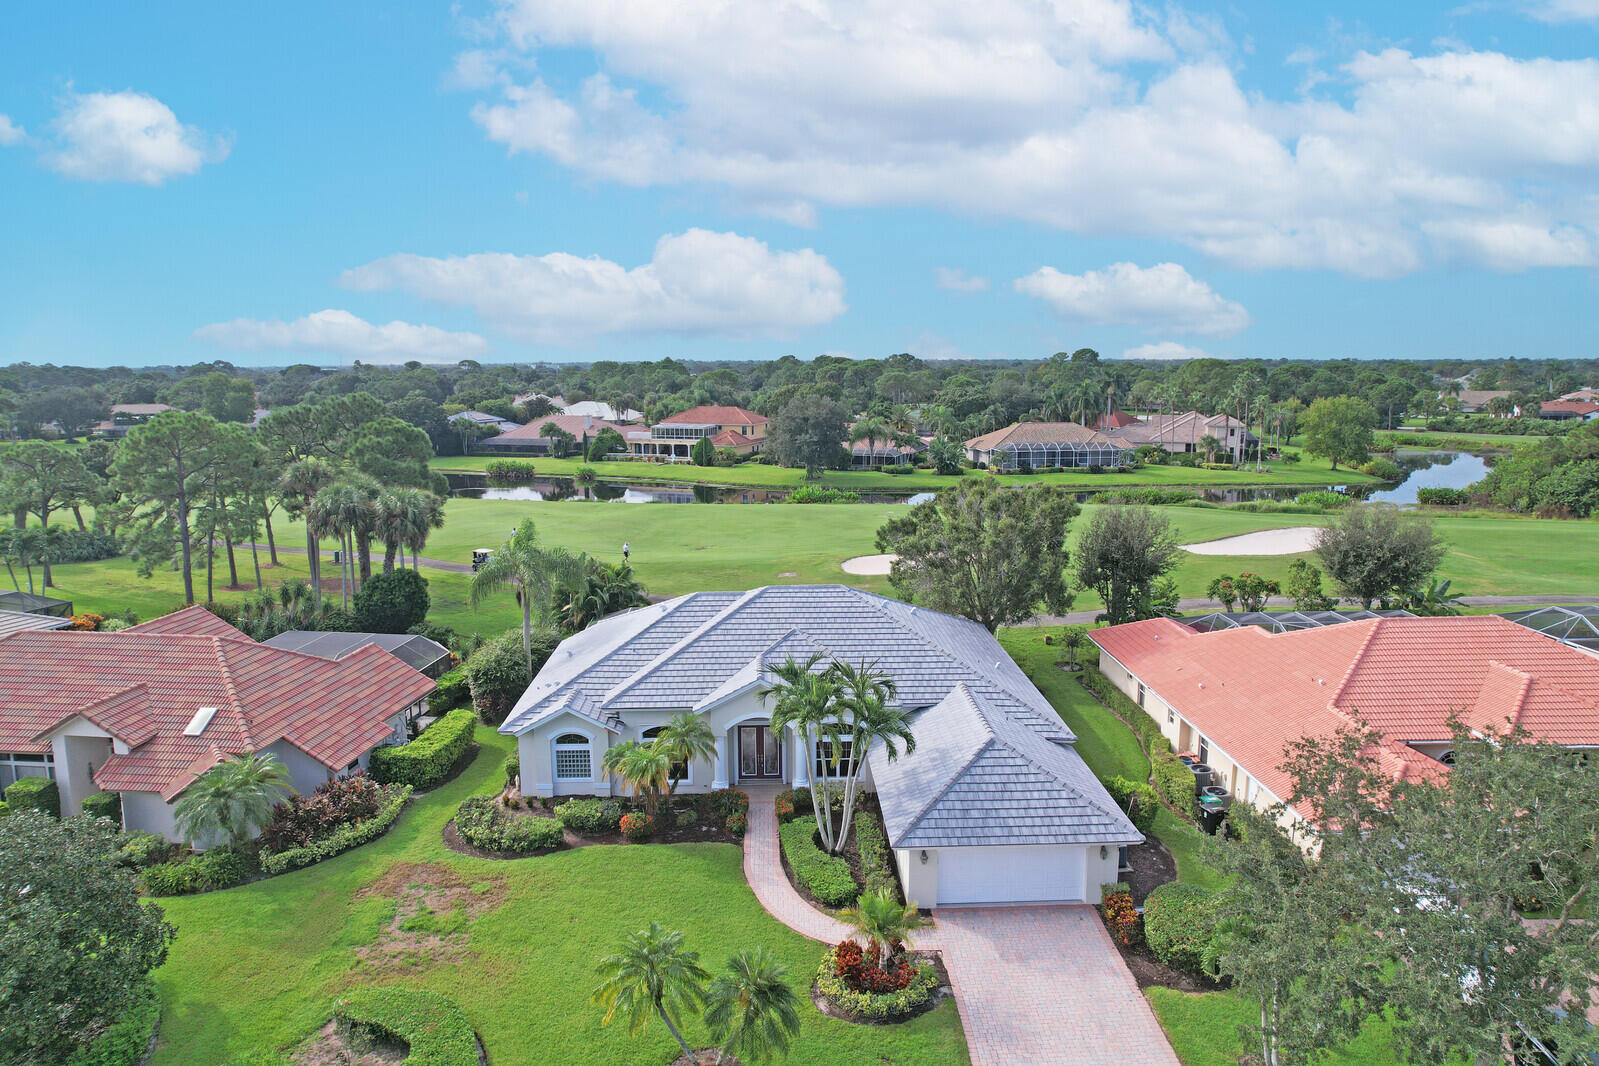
(429, 758)
(909, 985)
(826, 877)
(391, 799)
(590, 815)
(483, 823)
(433, 1027)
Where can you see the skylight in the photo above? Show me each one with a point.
(201, 719)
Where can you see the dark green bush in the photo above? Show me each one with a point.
(513, 767)
(508, 472)
(1175, 783)
(347, 836)
(434, 1027)
(731, 801)
(1323, 498)
(206, 872)
(141, 849)
(482, 823)
(425, 761)
(125, 1041)
(877, 862)
(392, 602)
(590, 815)
(1443, 497)
(34, 793)
(104, 805)
(824, 876)
(452, 692)
(1137, 799)
(1179, 925)
(498, 673)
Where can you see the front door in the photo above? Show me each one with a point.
(759, 754)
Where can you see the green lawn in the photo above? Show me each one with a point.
(257, 967)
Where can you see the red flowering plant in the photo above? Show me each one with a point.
(738, 824)
(1123, 919)
(636, 825)
(785, 809)
(858, 969)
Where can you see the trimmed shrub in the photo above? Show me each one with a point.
(1175, 783)
(434, 1027)
(513, 767)
(877, 867)
(347, 836)
(206, 872)
(34, 793)
(818, 494)
(824, 876)
(392, 602)
(140, 849)
(1140, 720)
(5, 808)
(1137, 799)
(1123, 919)
(425, 761)
(1323, 498)
(636, 825)
(452, 692)
(876, 1006)
(482, 823)
(590, 815)
(738, 824)
(1179, 925)
(104, 805)
(1443, 497)
(498, 674)
(124, 1042)
(305, 819)
(784, 808)
(731, 801)
(1386, 469)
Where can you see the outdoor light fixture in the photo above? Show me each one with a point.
(924, 856)
(1102, 851)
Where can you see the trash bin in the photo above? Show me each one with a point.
(1202, 774)
(1214, 801)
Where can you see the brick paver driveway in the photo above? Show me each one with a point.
(1044, 986)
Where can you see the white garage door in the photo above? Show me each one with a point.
(1018, 874)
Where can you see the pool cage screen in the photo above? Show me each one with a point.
(1059, 453)
(1283, 621)
(1575, 625)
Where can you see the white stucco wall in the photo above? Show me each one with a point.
(147, 811)
(304, 771)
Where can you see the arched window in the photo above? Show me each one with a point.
(574, 760)
(680, 770)
(1448, 757)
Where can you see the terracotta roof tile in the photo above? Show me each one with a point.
(715, 415)
(1039, 433)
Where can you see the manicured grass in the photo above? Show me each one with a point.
(257, 966)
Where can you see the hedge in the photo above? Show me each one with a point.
(427, 760)
(206, 872)
(1179, 926)
(877, 869)
(590, 815)
(34, 793)
(5, 808)
(347, 836)
(513, 767)
(435, 1027)
(104, 805)
(824, 876)
(1443, 497)
(1175, 783)
(1137, 799)
(877, 1006)
(482, 823)
(1141, 721)
(126, 1040)
(452, 692)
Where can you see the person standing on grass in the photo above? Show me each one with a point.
(625, 549)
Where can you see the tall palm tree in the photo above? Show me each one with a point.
(401, 517)
(804, 698)
(644, 768)
(685, 737)
(432, 518)
(651, 974)
(871, 429)
(232, 799)
(865, 712)
(337, 511)
(537, 572)
(883, 921)
(300, 484)
(750, 1009)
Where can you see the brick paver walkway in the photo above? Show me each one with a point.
(1045, 986)
(1035, 986)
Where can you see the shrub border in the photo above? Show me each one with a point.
(347, 836)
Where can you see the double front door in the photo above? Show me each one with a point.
(759, 752)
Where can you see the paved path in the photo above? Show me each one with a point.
(1035, 986)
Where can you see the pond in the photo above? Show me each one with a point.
(1431, 470)
(556, 489)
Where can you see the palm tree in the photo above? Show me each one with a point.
(339, 511)
(432, 517)
(402, 517)
(751, 1010)
(232, 799)
(685, 737)
(804, 698)
(537, 571)
(300, 483)
(865, 700)
(651, 974)
(871, 429)
(645, 769)
(1210, 446)
(883, 921)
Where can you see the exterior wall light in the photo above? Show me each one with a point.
(924, 856)
(1102, 851)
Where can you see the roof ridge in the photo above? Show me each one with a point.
(84, 710)
(633, 679)
(960, 771)
(1522, 689)
(1360, 656)
(233, 693)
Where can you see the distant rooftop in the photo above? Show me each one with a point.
(419, 653)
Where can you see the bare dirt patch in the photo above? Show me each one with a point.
(707, 1057)
(335, 1045)
(1152, 866)
(433, 908)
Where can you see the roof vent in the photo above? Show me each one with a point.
(1201, 684)
(201, 719)
(1321, 680)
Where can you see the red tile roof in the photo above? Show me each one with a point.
(731, 438)
(1572, 407)
(143, 686)
(1250, 691)
(193, 621)
(713, 415)
(1114, 420)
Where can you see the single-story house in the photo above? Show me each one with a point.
(883, 453)
(494, 422)
(599, 409)
(994, 806)
(531, 439)
(419, 653)
(143, 711)
(1236, 697)
(1586, 410)
(124, 416)
(1041, 444)
(1114, 420)
(1475, 401)
(674, 437)
(1181, 433)
(18, 621)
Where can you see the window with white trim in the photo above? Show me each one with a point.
(843, 746)
(574, 759)
(14, 765)
(680, 771)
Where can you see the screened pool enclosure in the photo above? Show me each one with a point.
(1577, 625)
(1282, 621)
(1038, 454)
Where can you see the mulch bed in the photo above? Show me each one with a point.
(1152, 866)
(940, 994)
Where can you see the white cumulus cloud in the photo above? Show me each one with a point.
(1164, 297)
(1167, 350)
(10, 132)
(342, 333)
(697, 282)
(1562, 10)
(1101, 117)
(955, 280)
(127, 136)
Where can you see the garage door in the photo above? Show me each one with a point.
(1011, 874)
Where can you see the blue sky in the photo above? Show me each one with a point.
(542, 180)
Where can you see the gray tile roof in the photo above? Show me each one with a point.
(417, 652)
(978, 776)
(18, 621)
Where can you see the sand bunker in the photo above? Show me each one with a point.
(1264, 542)
(867, 565)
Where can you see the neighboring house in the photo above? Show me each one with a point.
(501, 425)
(1114, 420)
(124, 416)
(1181, 433)
(18, 621)
(1591, 395)
(995, 805)
(530, 439)
(1041, 444)
(883, 453)
(1575, 625)
(673, 438)
(1586, 410)
(1236, 697)
(144, 711)
(1475, 401)
(596, 409)
(419, 653)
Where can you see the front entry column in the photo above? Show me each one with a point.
(802, 762)
(719, 779)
